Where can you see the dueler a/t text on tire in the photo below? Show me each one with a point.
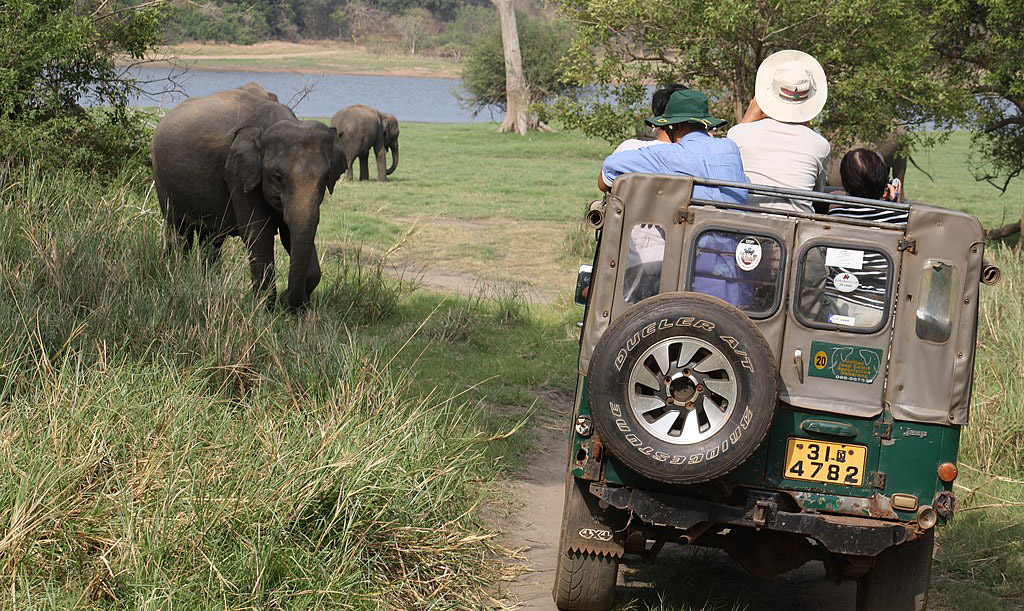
(682, 388)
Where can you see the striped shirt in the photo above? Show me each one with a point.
(873, 276)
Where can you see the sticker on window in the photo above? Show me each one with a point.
(845, 258)
(843, 362)
(839, 319)
(748, 254)
(845, 282)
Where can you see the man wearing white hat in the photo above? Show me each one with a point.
(777, 146)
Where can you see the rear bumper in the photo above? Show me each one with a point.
(839, 534)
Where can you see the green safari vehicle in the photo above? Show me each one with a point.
(781, 384)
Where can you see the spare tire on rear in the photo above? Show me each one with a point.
(682, 388)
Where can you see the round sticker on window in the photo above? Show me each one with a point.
(845, 282)
(748, 254)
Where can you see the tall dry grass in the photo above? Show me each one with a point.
(993, 441)
(165, 441)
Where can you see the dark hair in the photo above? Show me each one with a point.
(660, 98)
(864, 173)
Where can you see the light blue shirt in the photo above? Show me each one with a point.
(696, 154)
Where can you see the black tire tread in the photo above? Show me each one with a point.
(585, 581)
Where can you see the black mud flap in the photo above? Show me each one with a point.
(588, 528)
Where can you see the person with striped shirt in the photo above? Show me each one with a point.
(864, 174)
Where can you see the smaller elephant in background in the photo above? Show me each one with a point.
(256, 89)
(362, 128)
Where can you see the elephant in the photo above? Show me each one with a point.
(362, 128)
(254, 87)
(889, 147)
(237, 163)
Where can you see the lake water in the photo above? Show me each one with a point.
(431, 100)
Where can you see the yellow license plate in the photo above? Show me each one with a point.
(808, 460)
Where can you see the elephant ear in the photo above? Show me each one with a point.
(245, 159)
(338, 161)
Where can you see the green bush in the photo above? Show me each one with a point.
(57, 54)
(101, 142)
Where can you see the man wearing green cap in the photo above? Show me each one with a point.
(684, 124)
(690, 151)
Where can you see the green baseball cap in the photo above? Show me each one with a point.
(686, 106)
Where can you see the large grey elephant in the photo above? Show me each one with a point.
(362, 128)
(238, 163)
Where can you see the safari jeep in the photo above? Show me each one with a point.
(784, 385)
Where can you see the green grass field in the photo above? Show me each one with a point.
(167, 442)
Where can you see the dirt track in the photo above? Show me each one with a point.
(681, 578)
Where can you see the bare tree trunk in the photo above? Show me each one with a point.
(517, 96)
(1008, 230)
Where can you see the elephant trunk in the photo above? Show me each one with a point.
(303, 273)
(394, 158)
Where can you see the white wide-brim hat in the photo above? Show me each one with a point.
(791, 87)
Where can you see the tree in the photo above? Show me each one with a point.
(877, 54)
(543, 44)
(412, 25)
(517, 92)
(982, 42)
(53, 55)
(360, 19)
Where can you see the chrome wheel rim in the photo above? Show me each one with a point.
(682, 390)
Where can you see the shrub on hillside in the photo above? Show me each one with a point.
(412, 27)
(459, 35)
(213, 22)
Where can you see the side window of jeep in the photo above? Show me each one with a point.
(937, 302)
(740, 268)
(844, 286)
(646, 251)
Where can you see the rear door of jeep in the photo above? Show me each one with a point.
(827, 436)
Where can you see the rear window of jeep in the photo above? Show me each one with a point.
(845, 287)
(741, 268)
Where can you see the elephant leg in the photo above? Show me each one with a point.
(351, 164)
(212, 244)
(899, 168)
(382, 163)
(364, 166)
(258, 235)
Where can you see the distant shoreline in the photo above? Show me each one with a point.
(193, 66)
(310, 57)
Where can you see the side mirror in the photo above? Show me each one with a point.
(583, 284)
